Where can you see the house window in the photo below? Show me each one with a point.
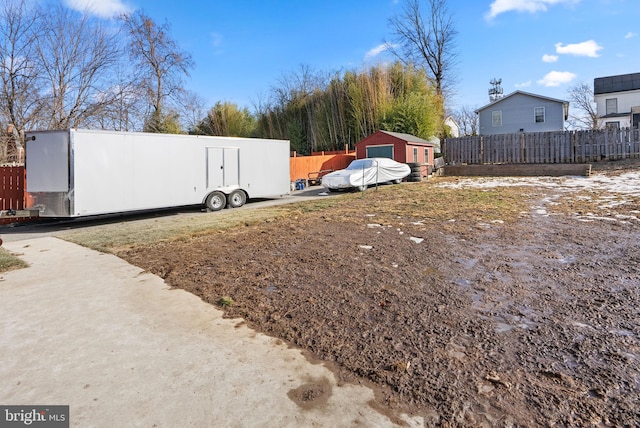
(612, 105)
(415, 154)
(496, 118)
(613, 125)
(538, 113)
(426, 155)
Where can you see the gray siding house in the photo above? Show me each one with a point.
(522, 112)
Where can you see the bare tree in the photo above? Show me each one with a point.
(581, 95)
(124, 106)
(20, 102)
(427, 39)
(160, 63)
(193, 107)
(76, 55)
(467, 120)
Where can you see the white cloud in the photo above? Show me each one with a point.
(630, 35)
(101, 8)
(523, 84)
(372, 53)
(530, 6)
(589, 48)
(556, 78)
(549, 58)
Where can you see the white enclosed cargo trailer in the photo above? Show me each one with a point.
(74, 172)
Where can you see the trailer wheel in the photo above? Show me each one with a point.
(237, 198)
(216, 201)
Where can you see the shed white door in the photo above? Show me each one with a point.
(223, 167)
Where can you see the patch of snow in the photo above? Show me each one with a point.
(626, 217)
(615, 191)
(623, 183)
(582, 325)
(503, 328)
(595, 217)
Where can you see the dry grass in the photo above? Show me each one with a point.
(124, 235)
(9, 261)
(449, 208)
(410, 202)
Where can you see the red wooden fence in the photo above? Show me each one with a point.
(12, 187)
(13, 195)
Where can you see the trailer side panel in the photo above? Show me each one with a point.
(83, 172)
(134, 172)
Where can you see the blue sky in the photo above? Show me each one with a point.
(242, 48)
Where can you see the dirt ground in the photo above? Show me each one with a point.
(534, 322)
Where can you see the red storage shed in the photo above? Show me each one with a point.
(400, 147)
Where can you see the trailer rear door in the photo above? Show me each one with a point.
(47, 158)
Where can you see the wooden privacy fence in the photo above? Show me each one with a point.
(302, 166)
(544, 147)
(13, 195)
(12, 190)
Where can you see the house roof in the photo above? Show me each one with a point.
(521, 93)
(619, 83)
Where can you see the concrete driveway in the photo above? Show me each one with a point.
(122, 349)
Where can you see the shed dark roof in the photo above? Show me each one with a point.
(620, 83)
(407, 137)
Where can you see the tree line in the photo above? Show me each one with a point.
(319, 112)
(324, 111)
(60, 68)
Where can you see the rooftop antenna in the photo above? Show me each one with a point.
(495, 92)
